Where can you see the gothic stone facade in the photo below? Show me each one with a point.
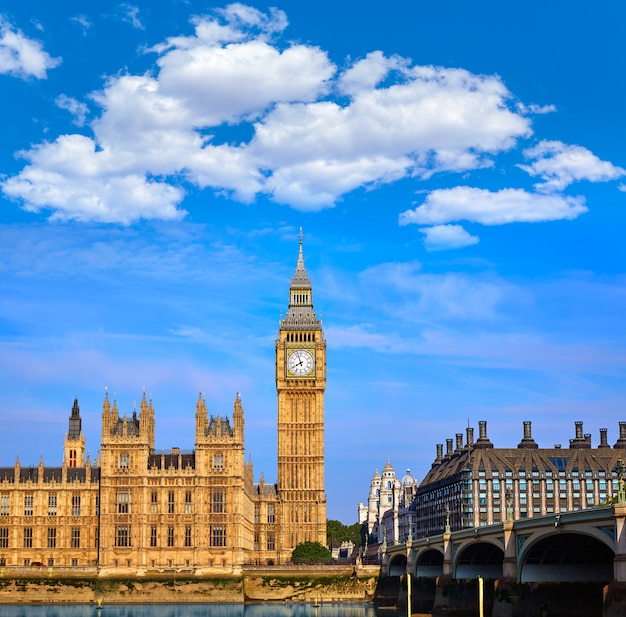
(139, 510)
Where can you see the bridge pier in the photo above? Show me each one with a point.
(619, 563)
(410, 557)
(614, 597)
(509, 562)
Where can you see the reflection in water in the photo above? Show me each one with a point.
(191, 610)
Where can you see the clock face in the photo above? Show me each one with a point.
(300, 362)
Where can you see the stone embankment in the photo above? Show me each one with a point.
(301, 584)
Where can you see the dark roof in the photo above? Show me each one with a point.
(219, 427)
(170, 461)
(516, 460)
(269, 490)
(50, 474)
(7, 474)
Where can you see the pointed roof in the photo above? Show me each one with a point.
(300, 314)
(300, 278)
(75, 423)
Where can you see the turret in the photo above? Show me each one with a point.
(202, 420)
(238, 422)
(74, 444)
(146, 420)
(109, 417)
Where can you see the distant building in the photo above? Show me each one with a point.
(138, 509)
(387, 513)
(474, 484)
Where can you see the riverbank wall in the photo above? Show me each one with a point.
(296, 584)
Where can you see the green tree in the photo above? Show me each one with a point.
(337, 532)
(310, 553)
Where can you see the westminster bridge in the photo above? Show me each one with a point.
(572, 563)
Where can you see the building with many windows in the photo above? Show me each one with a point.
(474, 484)
(140, 510)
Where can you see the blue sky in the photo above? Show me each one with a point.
(457, 168)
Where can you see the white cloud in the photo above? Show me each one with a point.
(559, 164)
(366, 74)
(430, 120)
(129, 14)
(364, 336)
(83, 22)
(71, 178)
(240, 81)
(536, 109)
(442, 237)
(21, 56)
(247, 16)
(464, 203)
(403, 292)
(392, 120)
(76, 108)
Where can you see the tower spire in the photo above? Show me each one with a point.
(300, 314)
(74, 446)
(300, 279)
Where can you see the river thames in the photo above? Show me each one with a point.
(190, 610)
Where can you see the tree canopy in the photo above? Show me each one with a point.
(337, 532)
(310, 553)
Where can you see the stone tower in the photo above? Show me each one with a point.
(74, 445)
(301, 382)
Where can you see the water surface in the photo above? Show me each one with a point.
(191, 610)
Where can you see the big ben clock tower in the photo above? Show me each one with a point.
(300, 382)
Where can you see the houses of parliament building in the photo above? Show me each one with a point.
(139, 510)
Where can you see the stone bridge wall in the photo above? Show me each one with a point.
(301, 584)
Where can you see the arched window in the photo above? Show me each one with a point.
(218, 462)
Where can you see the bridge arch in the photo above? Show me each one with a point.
(429, 563)
(479, 559)
(397, 565)
(566, 556)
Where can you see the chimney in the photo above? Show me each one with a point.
(439, 458)
(459, 442)
(527, 440)
(621, 442)
(483, 440)
(603, 439)
(449, 447)
(580, 441)
(469, 432)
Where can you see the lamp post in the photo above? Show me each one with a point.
(508, 495)
(619, 470)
